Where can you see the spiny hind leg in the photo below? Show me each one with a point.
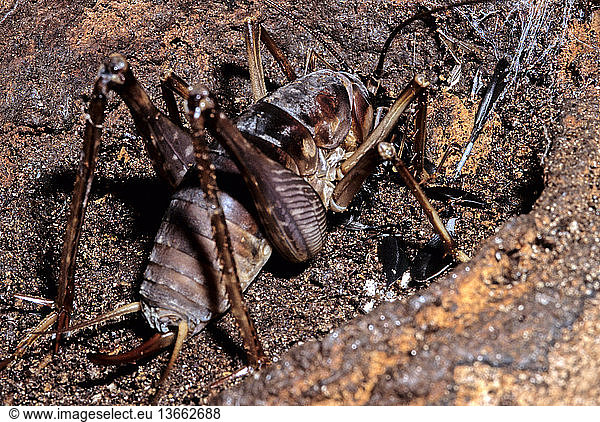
(198, 106)
(63, 303)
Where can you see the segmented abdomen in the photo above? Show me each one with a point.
(298, 126)
(182, 279)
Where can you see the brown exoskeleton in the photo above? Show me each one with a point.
(301, 150)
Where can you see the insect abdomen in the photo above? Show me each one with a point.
(182, 279)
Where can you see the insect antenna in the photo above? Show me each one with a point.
(375, 78)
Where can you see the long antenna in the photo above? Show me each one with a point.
(378, 72)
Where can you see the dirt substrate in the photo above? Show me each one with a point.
(516, 325)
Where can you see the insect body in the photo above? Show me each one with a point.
(308, 128)
(301, 151)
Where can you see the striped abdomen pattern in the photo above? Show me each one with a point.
(182, 279)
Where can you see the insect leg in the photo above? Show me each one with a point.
(418, 160)
(83, 182)
(311, 62)
(358, 166)
(387, 152)
(353, 180)
(277, 54)
(81, 191)
(346, 189)
(253, 32)
(169, 146)
(171, 83)
(387, 124)
(255, 67)
(198, 104)
(453, 148)
(450, 149)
